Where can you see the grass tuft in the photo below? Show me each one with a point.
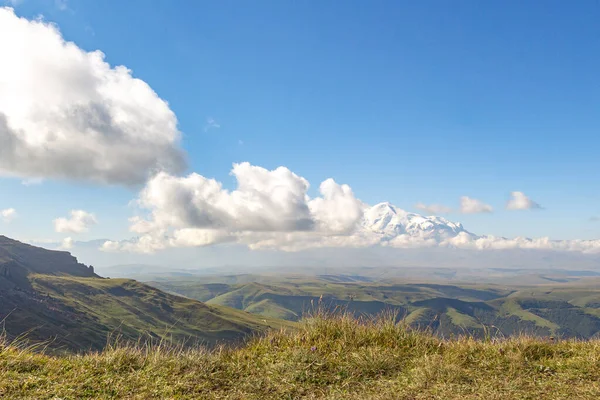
(331, 355)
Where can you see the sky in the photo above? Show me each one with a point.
(449, 108)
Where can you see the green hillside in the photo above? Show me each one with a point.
(328, 357)
(48, 296)
(562, 309)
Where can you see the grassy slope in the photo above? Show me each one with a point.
(462, 320)
(47, 294)
(295, 295)
(82, 312)
(327, 358)
(566, 310)
(395, 294)
(271, 309)
(512, 307)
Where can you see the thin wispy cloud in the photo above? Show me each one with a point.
(61, 4)
(594, 219)
(211, 123)
(433, 209)
(32, 181)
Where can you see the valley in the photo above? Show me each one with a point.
(48, 296)
(568, 310)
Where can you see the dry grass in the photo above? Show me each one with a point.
(328, 357)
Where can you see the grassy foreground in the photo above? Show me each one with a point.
(328, 357)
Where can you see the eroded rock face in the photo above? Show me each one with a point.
(42, 261)
(13, 274)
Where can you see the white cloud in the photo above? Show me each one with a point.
(195, 210)
(469, 205)
(433, 209)
(111, 245)
(271, 210)
(264, 201)
(211, 123)
(32, 181)
(299, 241)
(65, 113)
(67, 243)
(519, 201)
(337, 211)
(79, 221)
(465, 241)
(8, 214)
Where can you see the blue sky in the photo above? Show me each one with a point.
(405, 102)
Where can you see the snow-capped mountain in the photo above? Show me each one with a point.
(390, 221)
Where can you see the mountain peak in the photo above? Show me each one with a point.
(386, 219)
(385, 208)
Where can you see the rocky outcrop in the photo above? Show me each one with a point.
(42, 261)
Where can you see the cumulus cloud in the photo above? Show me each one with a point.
(67, 243)
(271, 210)
(79, 221)
(469, 205)
(66, 113)
(433, 209)
(195, 210)
(519, 201)
(8, 214)
(264, 201)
